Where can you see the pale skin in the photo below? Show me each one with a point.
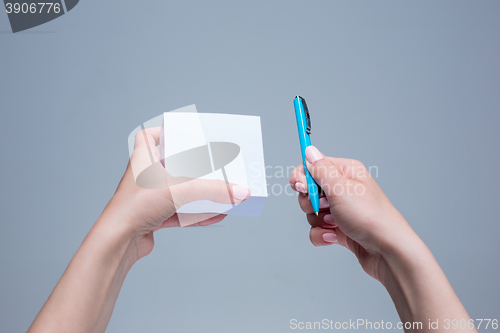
(84, 298)
(367, 224)
(356, 214)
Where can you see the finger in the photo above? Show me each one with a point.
(145, 153)
(306, 206)
(190, 219)
(145, 144)
(298, 179)
(197, 220)
(325, 173)
(147, 137)
(323, 220)
(210, 221)
(172, 221)
(322, 237)
(208, 189)
(347, 242)
(305, 203)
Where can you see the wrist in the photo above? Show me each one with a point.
(116, 234)
(405, 255)
(397, 245)
(87, 291)
(401, 248)
(392, 236)
(416, 282)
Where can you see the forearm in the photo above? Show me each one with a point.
(84, 297)
(419, 288)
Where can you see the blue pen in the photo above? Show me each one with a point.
(304, 127)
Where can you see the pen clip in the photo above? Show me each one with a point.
(308, 118)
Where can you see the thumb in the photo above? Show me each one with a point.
(325, 173)
(208, 189)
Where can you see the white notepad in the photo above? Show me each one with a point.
(216, 146)
(196, 145)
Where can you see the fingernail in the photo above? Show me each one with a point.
(240, 192)
(313, 154)
(300, 187)
(323, 203)
(328, 219)
(330, 237)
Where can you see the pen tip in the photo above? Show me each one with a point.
(316, 213)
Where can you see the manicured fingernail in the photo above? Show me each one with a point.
(330, 237)
(300, 187)
(313, 154)
(240, 192)
(323, 203)
(328, 219)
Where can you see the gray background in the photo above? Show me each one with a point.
(410, 87)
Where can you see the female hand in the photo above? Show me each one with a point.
(354, 212)
(147, 197)
(146, 200)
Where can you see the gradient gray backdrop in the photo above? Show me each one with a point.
(410, 87)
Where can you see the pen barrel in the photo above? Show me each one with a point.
(312, 189)
(305, 141)
(300, 116)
